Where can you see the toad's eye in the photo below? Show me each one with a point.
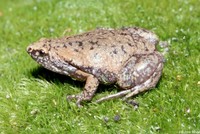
(42, 52)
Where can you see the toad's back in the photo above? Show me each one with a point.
(103, 48)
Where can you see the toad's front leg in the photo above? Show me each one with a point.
(89, 89)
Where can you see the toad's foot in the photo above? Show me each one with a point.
(88, 92)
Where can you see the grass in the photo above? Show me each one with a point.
(33, 100)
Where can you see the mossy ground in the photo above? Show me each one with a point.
(33, 100)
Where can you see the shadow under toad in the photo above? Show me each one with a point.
(42, 73)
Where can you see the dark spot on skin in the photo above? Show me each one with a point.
(122, 47)
(70, 43)
(68, 61)
(113, 46)
(138, 56)
(106, 44)
(44, 45)
(80, 43)
(93, 42)
(55, 48)
(115, 51)
(100, 38)
(65, 45)
(112, 32)
(76, 50)
(135, 37)
(130, 44)
(123, 34)
(144, 30)
(95, 54)
(136, 28)
(129, 40)
(53, 57)
(91, 48)
(87, 34)
(146, 49)
(49, 47)
(98, 44)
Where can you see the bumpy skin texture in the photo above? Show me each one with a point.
(126, 57)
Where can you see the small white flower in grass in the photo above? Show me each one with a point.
(144, 119)
(189, 118)
(51, 30)
(157, 128)
(198, 83)
(8, 96)
(13, 115)
(182, 100)
(180, 9)
(35, 8)
(34, 111)
(179, 77)
(10, 9)
(188, 110)
(89, 114)
(28, 128)
(106, 119)
(54, 102)
(174, 39)
(191, 8)
(169, 120)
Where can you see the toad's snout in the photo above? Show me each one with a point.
(29, 49)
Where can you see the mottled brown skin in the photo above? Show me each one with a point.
(126, 57)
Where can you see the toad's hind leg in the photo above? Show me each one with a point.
(131, 92)
(150, 83)
(138, 75)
